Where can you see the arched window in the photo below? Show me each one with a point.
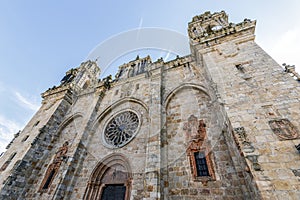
(110, 180)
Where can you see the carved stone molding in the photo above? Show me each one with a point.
(112, 170)
(253, 158)
(242, 140)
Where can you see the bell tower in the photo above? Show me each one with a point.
(83, 76)
(207, 23)
(251, 89)
(212, 29)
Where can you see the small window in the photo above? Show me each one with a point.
(116, 92)
(216, 28)
(54, 167)
(86, 84)
(201, 164)
(12, 156)
(240, 67)
(5, 165)
(25, 138)
(137, 86)
(36, 123)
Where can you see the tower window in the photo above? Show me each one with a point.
(25, 138)
(201, 164)
(36, 123)
(5, 165)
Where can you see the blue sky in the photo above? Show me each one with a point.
(41, 40)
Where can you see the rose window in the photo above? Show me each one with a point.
(121, 129)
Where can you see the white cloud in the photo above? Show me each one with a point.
(287, 48)
(27, 103)
(7, 130)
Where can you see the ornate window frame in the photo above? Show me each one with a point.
(196, 141)
(196, 147)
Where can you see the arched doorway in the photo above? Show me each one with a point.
(110, 180)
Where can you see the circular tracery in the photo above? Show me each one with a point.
(121, 129)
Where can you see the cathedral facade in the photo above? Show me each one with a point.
(220, 123)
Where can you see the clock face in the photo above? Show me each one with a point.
(121, 129)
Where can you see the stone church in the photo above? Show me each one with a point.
(220, 123)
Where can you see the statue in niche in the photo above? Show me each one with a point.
(284, 129)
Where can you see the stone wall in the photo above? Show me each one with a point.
(228, 100)
(255, 90)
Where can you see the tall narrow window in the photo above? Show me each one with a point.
(201, 164)
(25, 138)
(49, 179)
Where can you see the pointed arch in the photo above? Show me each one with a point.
(108, 109)
(113, 171)
(68, 120)
(184, 86)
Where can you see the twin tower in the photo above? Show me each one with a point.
(220, 123)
